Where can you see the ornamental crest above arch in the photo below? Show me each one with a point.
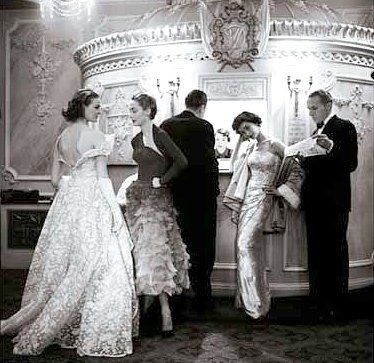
(234, 33)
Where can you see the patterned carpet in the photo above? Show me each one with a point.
(227, 335)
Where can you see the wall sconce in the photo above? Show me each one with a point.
(172, 90)
(295, 86)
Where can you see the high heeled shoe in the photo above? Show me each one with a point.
(167, 326)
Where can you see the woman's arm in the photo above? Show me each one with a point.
(56, 166)
(179, 160)
(105, 184)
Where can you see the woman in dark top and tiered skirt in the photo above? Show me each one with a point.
(161, 259)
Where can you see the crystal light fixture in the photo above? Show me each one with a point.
(65, 8)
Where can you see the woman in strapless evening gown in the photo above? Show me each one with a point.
(263, 187)
(80, 290)
(161, 260)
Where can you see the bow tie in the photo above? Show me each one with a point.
(319, 126)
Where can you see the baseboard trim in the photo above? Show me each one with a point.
(288, 289)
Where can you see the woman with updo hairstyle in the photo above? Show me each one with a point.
(76, 107)
(264, 187)
(80, 290)
(161, 260)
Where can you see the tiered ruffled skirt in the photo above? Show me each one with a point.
(161, 259)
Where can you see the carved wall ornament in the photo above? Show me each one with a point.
(123, 128)
(8, 175)
(43, 66)
(29, 38)
(120, 102)
(138, 38)
(35, 55)
(329, 56)
(116, 120)
(44, 108)
(327, 80)
(236, 34)
(141, 60)
(43, 69)
(356, 104)
(234, 88)
(313, 29)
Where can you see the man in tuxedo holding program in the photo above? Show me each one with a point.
(326, 197)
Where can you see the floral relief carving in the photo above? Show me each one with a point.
(7, 175)
(233, 89)
(43, 69)
(43, 66)
(356, 104)
(122, 127)
(27, 38)
(44, 108)
(116, 119)
(121, 100)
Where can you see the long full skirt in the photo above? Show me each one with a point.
(80, 290)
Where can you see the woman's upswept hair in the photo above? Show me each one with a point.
(145, 101)
(246, 117)
(75, 109)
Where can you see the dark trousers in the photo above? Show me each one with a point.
(197, 210)
(327, 256)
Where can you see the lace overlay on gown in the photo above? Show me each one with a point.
(80, 291)
(253, 292)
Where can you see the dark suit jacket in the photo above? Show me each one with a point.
(195, 137)
(327, 177)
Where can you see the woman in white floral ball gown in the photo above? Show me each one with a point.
(80, 289)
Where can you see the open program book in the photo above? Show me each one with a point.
(307, 147)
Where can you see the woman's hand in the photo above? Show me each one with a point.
(156, 182)
(271, 191)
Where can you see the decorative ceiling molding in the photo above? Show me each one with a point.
(341, 43)
(142, 60)
(344, 32)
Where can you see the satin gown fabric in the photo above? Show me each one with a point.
(253, 292)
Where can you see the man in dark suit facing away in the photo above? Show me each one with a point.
(195, 191)
(326, 197)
